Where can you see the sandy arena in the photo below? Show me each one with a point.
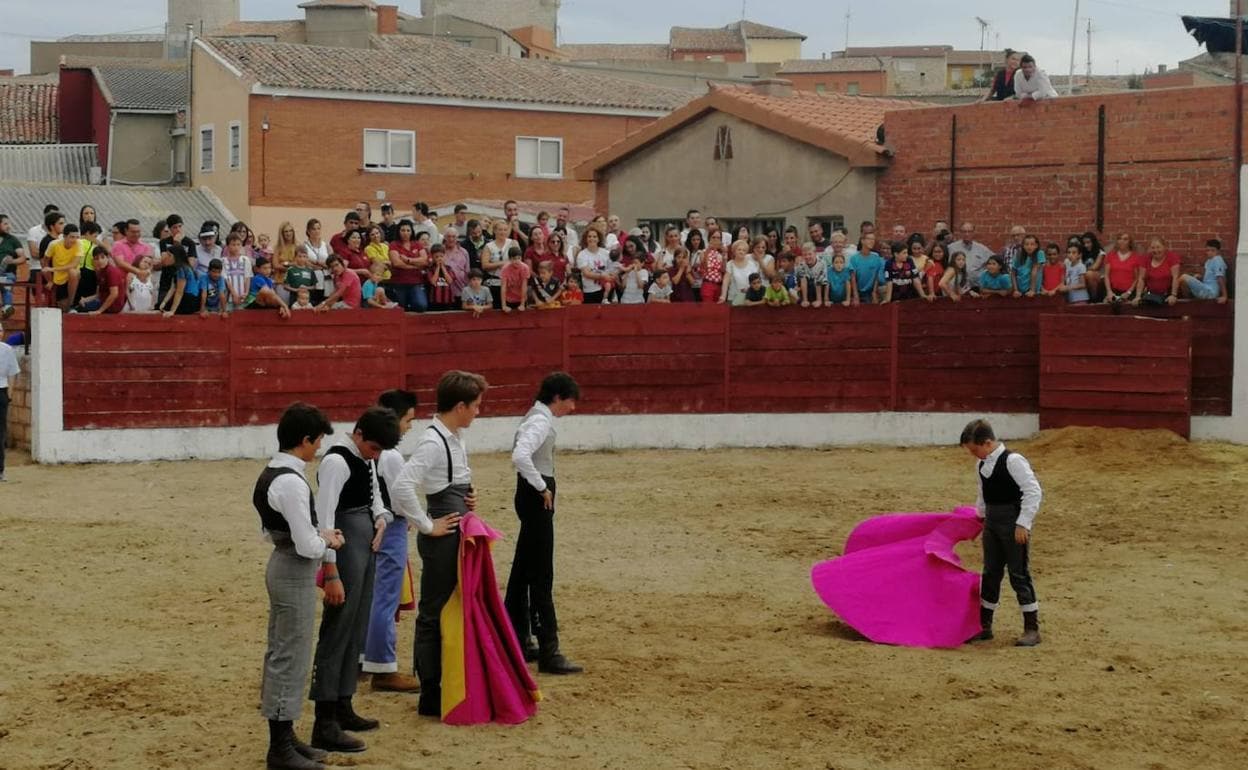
(134, 611)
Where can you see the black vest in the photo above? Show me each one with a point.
(358, 491)
(1000, 488)
(270, 518)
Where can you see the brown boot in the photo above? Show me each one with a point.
(395, 682)
(1031, 630)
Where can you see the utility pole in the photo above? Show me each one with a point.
(1074, 36)
(1089, 80)
(848, 15)
(983, 31)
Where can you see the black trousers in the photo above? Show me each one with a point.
(1002, 553)
(530, 588)
(439, 574)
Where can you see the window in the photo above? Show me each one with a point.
(830, 222)
(205, 148)
(723, 143)
(236, 145)
(538, 156)
(389, 151)
(852, 89)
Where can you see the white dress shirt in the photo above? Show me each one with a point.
(289, 495)
(390, 465)
(331, 477)
(8, 366)
(530, 436)
(1020, 471)
(425, 473)
(1035, 87)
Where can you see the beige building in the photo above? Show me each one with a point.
(465, 32)
(45, 56)
(767, 156)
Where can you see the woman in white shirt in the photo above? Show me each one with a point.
(318, 253)
(737, 275)
(494, 256)
(593, 261)
(758, 250)
(665, 258)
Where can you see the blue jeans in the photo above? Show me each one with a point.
(6, 294)
(379, 647)
(412, 297)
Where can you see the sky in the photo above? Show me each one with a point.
(1127, 35)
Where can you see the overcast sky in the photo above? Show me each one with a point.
(1128, 35)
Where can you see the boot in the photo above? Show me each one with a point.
(349, 720)
(551, 661)
(530, 650)
(327, 734)
(985, 624)
(316, 755)
(283, 754)
(1031, 630)
(395, 682)
(430, 703)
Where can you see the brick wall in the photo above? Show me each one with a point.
(1169, 167)
(460, 152)
(19, 408)
(838, 82)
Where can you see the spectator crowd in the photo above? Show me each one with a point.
(482, 265)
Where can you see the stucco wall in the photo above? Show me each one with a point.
(142, 149)
(769, 176)
(218, 97)
(343, 27)
(777, 51)
(452, 28)
(918, 74)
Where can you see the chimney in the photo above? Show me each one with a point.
(773, 87)
(387, 20)
(1161, 69)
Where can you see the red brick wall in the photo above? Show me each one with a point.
(460, 152)
(838, 82)
(1170, 80)
(1169, 167)
(733, 56)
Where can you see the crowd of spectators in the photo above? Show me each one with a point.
(478, 265)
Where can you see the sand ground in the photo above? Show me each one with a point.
(132, 614)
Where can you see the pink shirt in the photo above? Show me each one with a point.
(132, 253)
(349, 284)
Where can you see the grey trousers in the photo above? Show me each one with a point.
(343, 628)
(291, 583)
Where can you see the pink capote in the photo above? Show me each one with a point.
(484, 676)
(900, 582)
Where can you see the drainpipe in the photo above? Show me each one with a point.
(108, 170)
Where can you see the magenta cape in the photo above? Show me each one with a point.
(484, 676)
(900, 582)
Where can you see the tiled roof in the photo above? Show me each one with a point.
(500, 14)
(144, 88)
(49, 163)
(416, 65)
(843, 125)
(838, 64)
(28, 113)
(283, 30)
(985, 58)
(24, 203)
(113, 39)
(902, 51)
(338, 4)
(754, 29)
(707, 39)
(627, 51)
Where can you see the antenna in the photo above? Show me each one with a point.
(848, 15)
(743, 10)
(1089, 50)
(984, 24)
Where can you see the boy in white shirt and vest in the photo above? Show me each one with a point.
(284, 501)
(1009, 497)
(530, 588)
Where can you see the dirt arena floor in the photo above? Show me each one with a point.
(133, 616)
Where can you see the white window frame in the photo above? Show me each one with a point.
(390, 133)
(235, 151)
(211, 131)
(539, 140)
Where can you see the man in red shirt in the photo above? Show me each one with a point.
(347, 289)
(350, 224)
(111, 286)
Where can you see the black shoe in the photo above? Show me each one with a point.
(556, 663)
(327, 734)
(284, 755)
(314, 754)
(430, 703)
(531, 650)
(349, 720)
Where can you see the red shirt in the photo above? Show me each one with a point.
(108, 278)
(1158, 279)
(1054, 275)
(407, 276)
(349, 284)
(1122, 271)
(712, 267)
(355, 260)
(338, 244)
(558, 262)
(515, 276)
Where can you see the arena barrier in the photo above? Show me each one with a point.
(127, 388)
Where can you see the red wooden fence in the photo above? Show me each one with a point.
(146, 371)
(1116, 372)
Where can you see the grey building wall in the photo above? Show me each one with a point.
(918, 74)
(464, 32)
(341, 27)
(207, 15)
(769, 177)
(142, 149)
(46, 56)
(504, 14)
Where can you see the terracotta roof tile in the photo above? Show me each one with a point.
(756, 30)
(420, 66)
(707, 39)
(851, 117)
(282, 30)
(338, 4)
(838, 64)
(902, 51)
(28, 113)
(628, 51)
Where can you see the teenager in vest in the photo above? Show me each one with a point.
(531, 585)
(380, 658)
(352, 497)
(1009, 497)
(284, 501)
(434, 490)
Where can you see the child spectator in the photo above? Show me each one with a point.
(544, 288)
(572, 292)
(1094, 260)
(515, 277)
(378, 251)
(183, 296)
(494, 257)
(476, 296)
(1122, 271)
(681, 275)
(934, 270)
(914, 247)
(661, 289)
(956, 282)
(214, 296)
(1161, 275)
(838, 282)
(995, 282)
(65, 256)
(1023, 271)
(712, 269)
(777, 294)
(812, 278)
(347, 291)
(1073, 285)
(1212, 285)
(261, 292)
(299, 273)
(303, 300)
(238, 270)
(636, 279)
(110, 287)
(756, 294)
(88, 286)
(865, 268)
(1053, 273)
(371, 292)
(901, 278)
(141, 288)
(786, 267)
(440, 279)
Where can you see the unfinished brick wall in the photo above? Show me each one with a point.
(1169, 168)
(19, 409)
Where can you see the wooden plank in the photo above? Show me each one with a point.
(293, 381)
(97, 360)
(470, 340)
(993, 379)
(1122, 366)
(828, 390)
(1115, 402)
(1156, 382)
(142, 397)
(924, 401)
(677, 345)
(956, 359)
(164, 419)
(980, 345)
(142, 374)
(502, 358)
(802, 373)
(753, 359)
(799, 405)
(625, 381)
(713, 362)
(797, 339)
(1147, 347)
(85, 342)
